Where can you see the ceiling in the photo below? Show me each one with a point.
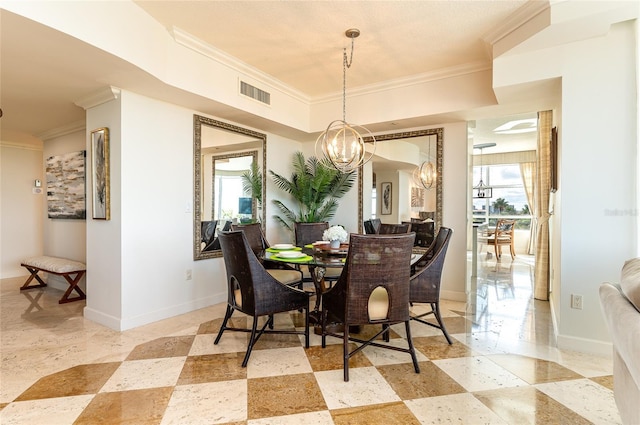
(299, 43)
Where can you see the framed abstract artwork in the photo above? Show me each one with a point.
(417, 197)
(386, 198)
(66, 186)
(100, 173)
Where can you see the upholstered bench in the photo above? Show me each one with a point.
(58, 266)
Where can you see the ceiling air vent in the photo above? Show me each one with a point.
(255, 93)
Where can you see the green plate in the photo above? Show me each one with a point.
(304, 259)
(272, 250)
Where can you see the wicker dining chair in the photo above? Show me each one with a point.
(258, 243)
(308, 233)
(214, 245)
(253, 291)
(371, 226)
(255, 236)
(208, 231)
(394, 229)
(372, 290)
(426, 277)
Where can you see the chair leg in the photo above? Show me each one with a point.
(252, 341)
(436, 312)
(306, 327)
(385, 335)
(323, 321)
(345, 352)
(407, 327)
(513, 251)
(227, 316)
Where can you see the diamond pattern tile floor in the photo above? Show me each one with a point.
(151, 376)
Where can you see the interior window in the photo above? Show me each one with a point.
(509, 199)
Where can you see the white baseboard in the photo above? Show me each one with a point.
(123, 324)
(453, 296)
(583, 345)
(102, 318)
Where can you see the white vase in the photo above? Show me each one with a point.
(335, 244)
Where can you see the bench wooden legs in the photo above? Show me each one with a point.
(34, 273)
(73, 283)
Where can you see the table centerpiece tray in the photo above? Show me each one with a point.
(326, 249)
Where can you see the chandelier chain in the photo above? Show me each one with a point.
(346, 64)
(343, 144)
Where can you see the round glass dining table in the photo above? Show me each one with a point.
(318, 257)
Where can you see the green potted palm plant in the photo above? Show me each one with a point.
(252, 184)
(316, 187)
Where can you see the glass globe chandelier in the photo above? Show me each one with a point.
(425, 175)
(342, 143)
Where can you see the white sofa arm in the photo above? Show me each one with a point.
(623, 321)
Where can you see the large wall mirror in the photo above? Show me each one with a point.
(387, 189)
(229, 174)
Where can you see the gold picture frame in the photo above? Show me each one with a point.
(100, 174)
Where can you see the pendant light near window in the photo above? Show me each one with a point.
(481, 190)
(342, 143)
(425, 175)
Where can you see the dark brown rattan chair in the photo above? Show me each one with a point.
(394, 229)
(308, 233)
(208, 231)
(372, 226)
(255, 237)
(426, 276)
(372, 290)
(253, 291)
(215, 243)
(424, 233)
(258, 243)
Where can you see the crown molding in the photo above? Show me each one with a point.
(24, 146)
(63, 131)
(524, 14)
(99, 97)
(189, 41)
(412, 80)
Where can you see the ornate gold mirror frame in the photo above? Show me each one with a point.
(408, 135)
(235, 131)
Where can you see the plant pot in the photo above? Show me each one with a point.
(335, 244)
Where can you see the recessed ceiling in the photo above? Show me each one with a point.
(299, 43)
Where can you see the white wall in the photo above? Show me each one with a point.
(21, 222)
(65, 238)
(137, 261)
(596, 203)
(454, 209)
(591, 257)
(104, 262)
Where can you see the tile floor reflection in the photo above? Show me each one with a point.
(503, 368)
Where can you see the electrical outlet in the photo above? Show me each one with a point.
(187, 274)
(576, 301)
